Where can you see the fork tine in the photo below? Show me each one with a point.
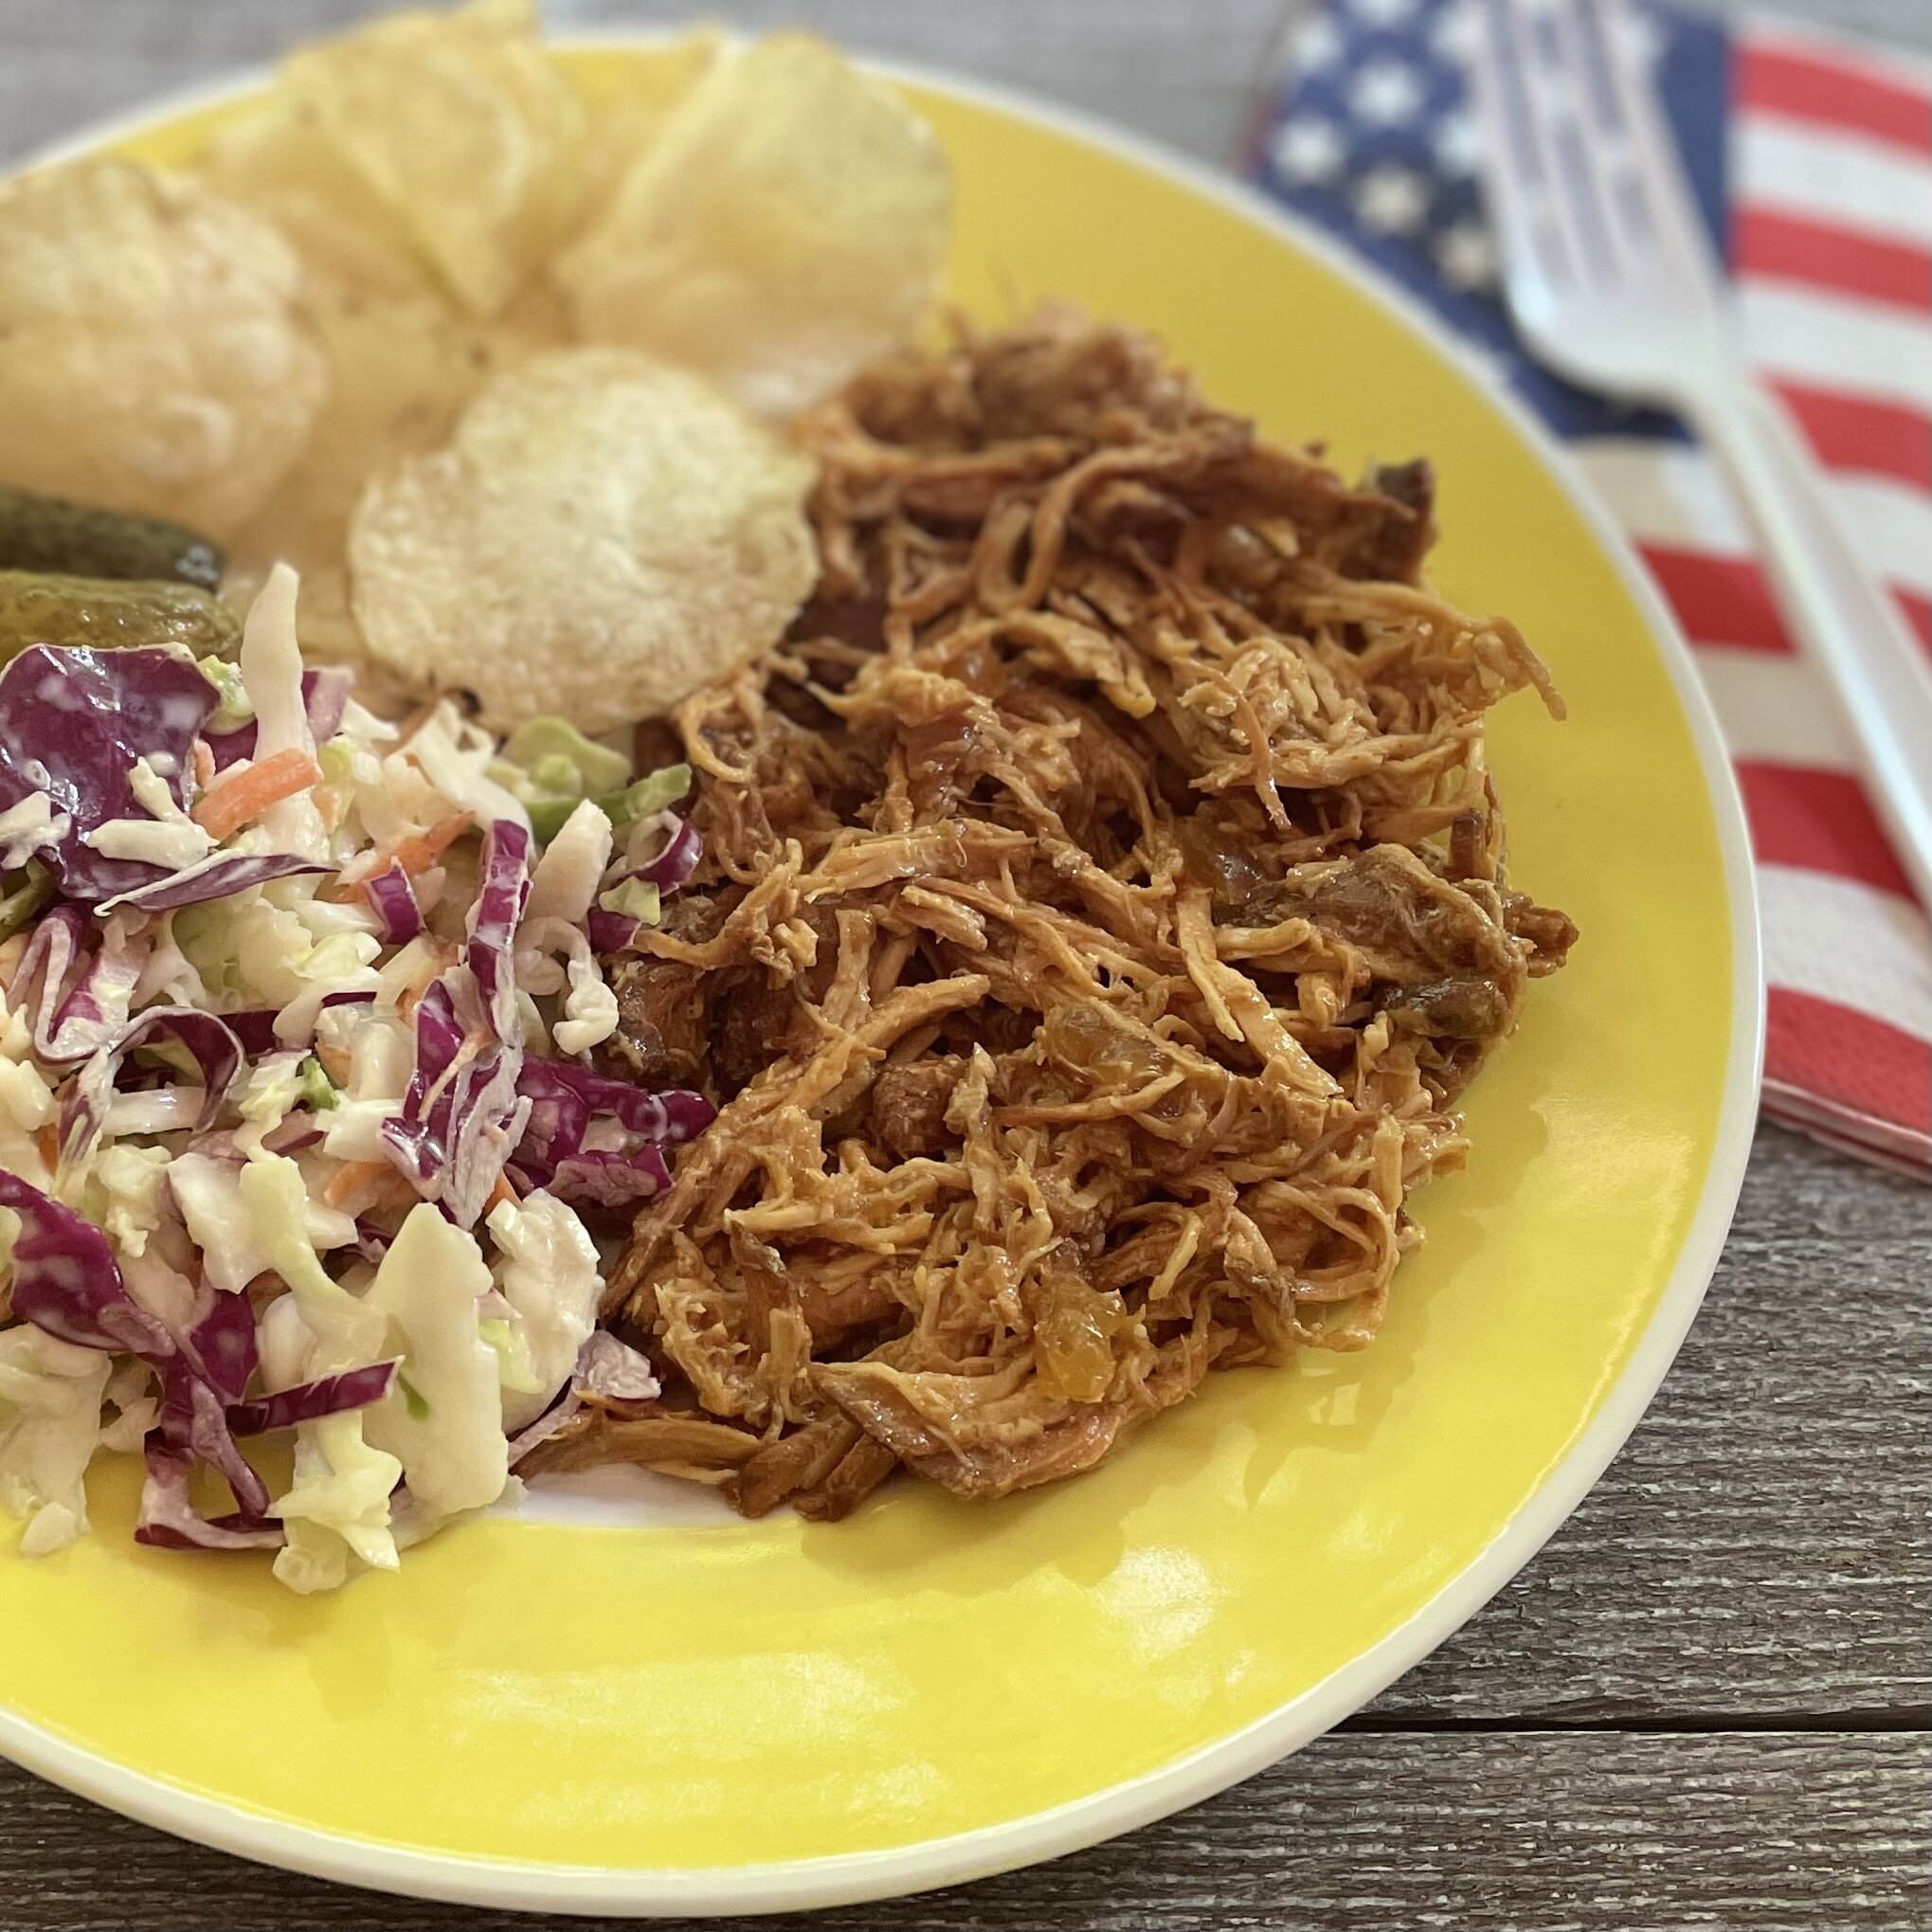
(1652, 194)
(1559, 95)
(1522, 201)
(1596, 35)
(1553, 201)
(1586, 180)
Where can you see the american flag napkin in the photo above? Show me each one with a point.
(1812, 159)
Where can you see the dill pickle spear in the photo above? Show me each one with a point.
(106, 614)
(75, 540)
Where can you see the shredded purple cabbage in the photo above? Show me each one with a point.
(309, 1402)
(462, 1114)
(488, 1119)
(607, 1371)
(201, 1388)
(372, 1241)
(325, 696)
(79, 999)
(502, 894)
(208, 1038)
(609, 931)
(221, 1341)
(564, 1101)
(254, 1026)
(72, 722)
(559, 1118)
(67, 1283)
(392, 898)
(679, 859)
(194, 885)
(487, 1113)
(417, 1137)
(47, 966)
(230, 747)
(678, 1113)
(168, 1519)
(195, 1420)
(601, 1178)
(614, 1370)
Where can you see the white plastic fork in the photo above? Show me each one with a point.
(1612, 284)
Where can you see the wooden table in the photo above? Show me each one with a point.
(1704, 1704)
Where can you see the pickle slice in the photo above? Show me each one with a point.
(49, 534)
(105, 615)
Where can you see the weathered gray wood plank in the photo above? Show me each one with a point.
(1518, 1832)
(1182, 71)
(1136, 64)
(1759, 1547)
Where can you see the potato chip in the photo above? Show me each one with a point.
(787, 225)
(462, 129)
(602, 534)
(274, 158)
(627, 102)
(152, 357)
(400, 372)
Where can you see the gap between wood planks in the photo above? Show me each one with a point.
(1902, 1718)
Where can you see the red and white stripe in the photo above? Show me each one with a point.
(1831, 246)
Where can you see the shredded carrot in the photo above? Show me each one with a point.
(359, 1186)
(335, 1063)
(352, 1177)
(413, 852)
(245, 791)
(48, 1140)
(501, 1193)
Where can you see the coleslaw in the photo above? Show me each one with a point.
(299, 1124)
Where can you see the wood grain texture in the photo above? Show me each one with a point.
(1181, 70)
(1607, 1833)
(1704, 1704)
(1758, 1549)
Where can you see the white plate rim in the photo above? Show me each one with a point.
(851, 1878)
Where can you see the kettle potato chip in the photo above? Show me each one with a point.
(272, 157)
(411, 223)
(787, 223)
(400, 374)
(625, 113)
(602, 534)
(462, 128)
(151, 355)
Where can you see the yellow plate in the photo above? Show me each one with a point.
(720, 1716)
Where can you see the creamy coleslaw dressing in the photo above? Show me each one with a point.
(251, 1193)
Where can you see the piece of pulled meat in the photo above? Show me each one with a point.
(1104, 903)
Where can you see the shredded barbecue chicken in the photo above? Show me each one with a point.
(1104, 904)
